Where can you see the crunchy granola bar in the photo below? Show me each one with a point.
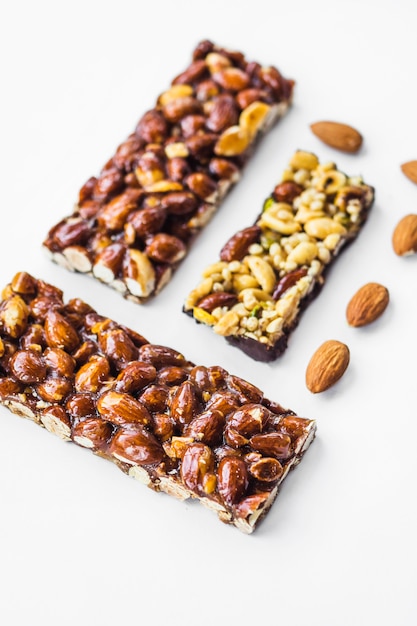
(190, 431)
(267, 274)
(135, 221)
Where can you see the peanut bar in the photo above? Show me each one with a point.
(268, 273)
(134, 223)
(190, 431)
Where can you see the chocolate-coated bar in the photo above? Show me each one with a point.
(134, 223)
(190, 431)
(266, 274)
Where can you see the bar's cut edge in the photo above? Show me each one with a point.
(170, 485)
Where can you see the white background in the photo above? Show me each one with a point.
(80, 543)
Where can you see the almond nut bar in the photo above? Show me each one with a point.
(134, 223)
(190, 431)
(268, 273)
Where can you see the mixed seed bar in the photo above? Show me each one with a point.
(268, 273)
(133, 224)
(190, 431)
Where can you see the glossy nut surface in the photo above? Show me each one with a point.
(168, 177)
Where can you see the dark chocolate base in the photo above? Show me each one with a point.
(262, 352)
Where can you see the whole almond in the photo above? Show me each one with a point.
(121, 409)
(59, 332)
(368, 303)
(92, 374)
(215, 299)
(238, 245)
(327, 365)
(232, 479)
(339, 136)
(410, 170)
(404, 237)
(138, 447)
(207, 427)
(28, 366)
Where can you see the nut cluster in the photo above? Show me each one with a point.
(191, 431)
(256, 290)
(134, 222)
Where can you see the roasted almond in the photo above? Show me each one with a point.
(135, 376)
(92, 374)
(28, 366)
(232, 479)
(207, 427)
(9, 387)
(121, 409)
(404, 238)
(267, 470)
(23, 283)
(14, 316)
(92, 432)
(164, 248)
(215, 299)
(56, 420)
(368, 303)
(327, 365)
(223, 113)
(238, 245)
(272, 444)
(59, 362)
(196, 462)
(54, 389)
(410, 170)
(339, 136)
(184, 403)
(117, 346)
(249, 419)
(137, 447)
(59, 332)
(160, 356)
(245, 391)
